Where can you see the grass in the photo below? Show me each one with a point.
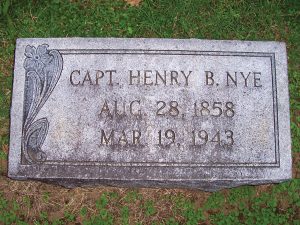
(37, 203)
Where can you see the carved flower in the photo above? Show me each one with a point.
(36, 58)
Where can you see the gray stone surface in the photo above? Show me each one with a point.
(150, 112)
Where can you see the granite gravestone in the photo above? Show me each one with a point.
(150, 112)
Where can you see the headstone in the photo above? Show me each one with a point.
(150, 112)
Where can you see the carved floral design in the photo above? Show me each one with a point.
(43, 69)
(36, 59)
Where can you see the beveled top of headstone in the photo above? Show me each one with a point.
(150, 112)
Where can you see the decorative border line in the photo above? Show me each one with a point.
(271, 56)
